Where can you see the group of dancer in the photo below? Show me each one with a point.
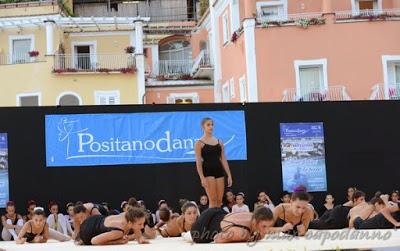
(94, 224)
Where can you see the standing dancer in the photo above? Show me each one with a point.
(211, 164)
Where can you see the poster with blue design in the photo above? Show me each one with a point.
(138, 138)
(4, 192)
(303, 156)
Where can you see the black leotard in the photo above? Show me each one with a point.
(30, 236)
(212, 166)
(209, 224)
(93, 226)
(281, 222)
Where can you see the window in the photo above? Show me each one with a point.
(69, 99)
(114, 7)
(225, 27)
(311, 80)
(365, 5)
(391, 77)
(232, 88)
(235, 17)
(183, 98)
(242, 89)
(20, 46)
(203, 45)
(397, 73)
(107, 97)
(176, 50)
(28, 99)
(225, 93)
(272, 10)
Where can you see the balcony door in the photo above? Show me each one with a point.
(84, 56)
(20, 48)
(311, 80)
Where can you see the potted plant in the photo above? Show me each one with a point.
(33, 54)
(234, 37)
(130, 49)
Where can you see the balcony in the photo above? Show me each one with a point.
(94, 63)
(7, 4)
(378, 92)
(300, 19)
(367, 15)
(175, 68)
(157, 10)
(19, 58)
(33, 8)
(202, 67)
(333, 93)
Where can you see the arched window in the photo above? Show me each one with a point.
(69, 99)
(176, 50)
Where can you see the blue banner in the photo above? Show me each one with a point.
(303, 156)
(138, 138)
(4, 192)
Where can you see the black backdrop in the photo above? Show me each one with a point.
(362, 149)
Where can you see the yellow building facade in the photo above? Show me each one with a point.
(52, 60)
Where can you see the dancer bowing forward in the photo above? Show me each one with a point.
(211, 164)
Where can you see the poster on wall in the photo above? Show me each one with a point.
(303, 156)
(138, 138)
(4, 192)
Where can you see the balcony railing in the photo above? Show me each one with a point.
(85, 62)
(287, 19)
(333, 93)
(19, 58)
(175, 67)
(376, 14)
(158, 11)
(25, 3)
(202, 67)
(202, 60)
(378, 92)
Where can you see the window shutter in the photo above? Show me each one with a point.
(232, 88)
(242, 87)
(102, 100)
(111, 100)
(196, 99)
(170, 100)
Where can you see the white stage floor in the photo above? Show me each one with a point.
(339, 240)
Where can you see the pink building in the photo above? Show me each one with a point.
(266, 50)
(303, 50)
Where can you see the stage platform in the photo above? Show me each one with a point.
(317, 240)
